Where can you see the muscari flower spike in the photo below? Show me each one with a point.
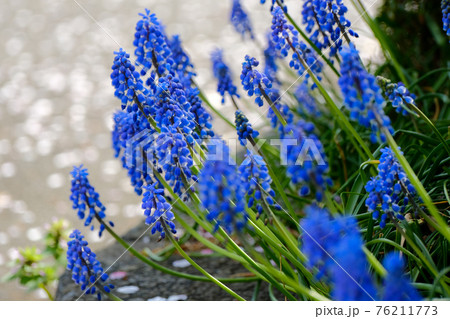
(253, 81)
(397, 286)
(240, 20)
(84, 197)
(397, 94)
(275, 98)
(223, 75)
(307, 104)
(181, 62)
(445, 7)
(256, 179)
(221, 190)
(244, 129)
(86, 269)
(270, 57)
(157, 210)
(387, 190)
(362, 95)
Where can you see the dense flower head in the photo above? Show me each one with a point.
(223, 75)
(127, 82)
(275, 98)
(151, 44)
(286, 40)
(84, 197)
(271, 55)
(397, 94)
(253, 81)
(316, 34)
(201, 116)
(221, 191)
(387, 189)
(86, 269)
(181, 61)
(445, 7)
(256, 179)
(240, 20)
(307, 166)
(157, 210)
(362, 95)
(307, 104)
(244, 129)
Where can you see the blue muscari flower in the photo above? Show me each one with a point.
(307, 104)
(181, 61)
(84, 197)
(387, 189)
(397, 286)
(240, 20)
(127, 82)
(273, 4)
(86, 269)
(330, 244)
(445, 7)
(362, 95)
(285, 38)
(244, 129)
(253, 81)
(270, 57)
(223, 75)
(307, 166)
(157, 210)
(220, 188)
(201, 117)
(151, 44)
(274, 95)
(397, 94)
(326, 20)
(256, 180)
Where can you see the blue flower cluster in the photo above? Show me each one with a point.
(244, 129)
(397, 93)
(307, 104)
(285, 38)
(275, 98)
(270, 60)
(157, 210)
(362, 95)
(223, 75)
(397, 286)
(240, 20)
(253, 81)
(181, 62)
(325, 19)
(221, 191)
(84, 197)
(256, 179)
(86, 269)
(151, 44)
(307, 165)
(445, 7)
(388, 189)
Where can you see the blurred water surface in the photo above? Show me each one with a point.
(56, 102)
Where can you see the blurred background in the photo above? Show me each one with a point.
(56, 102)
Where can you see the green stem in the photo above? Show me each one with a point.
(49, 294)
(273, 106)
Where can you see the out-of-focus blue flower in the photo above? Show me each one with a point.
(181, 61)
(362, 95)
(157, 210)
(397, 286)
(326, 23)
(256, 179)
(307, 104)
(84, 197)
(223, 75)
(240, 20)
(270, 57)
(253, 81)
(221, 190)
(307, 166)
(445, 6)
(244, 129)
(398, 94)
(387, 189)
(151, 44)
(274, 96)
(86, 269)
(286, 40)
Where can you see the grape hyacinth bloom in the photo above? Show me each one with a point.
(223, 75)
(307, 104)
(181, 61)
(253, 81)
(387, 189)
(275, 97)
(86, 269)
(151, 45)
(362, 95)
(270, 57)
(256, 179)
(240, 20)
(445, 7)
(316, 34)
(397, 94)
(244, 129)
(84, 197)
(221, 191)
(157, 210)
